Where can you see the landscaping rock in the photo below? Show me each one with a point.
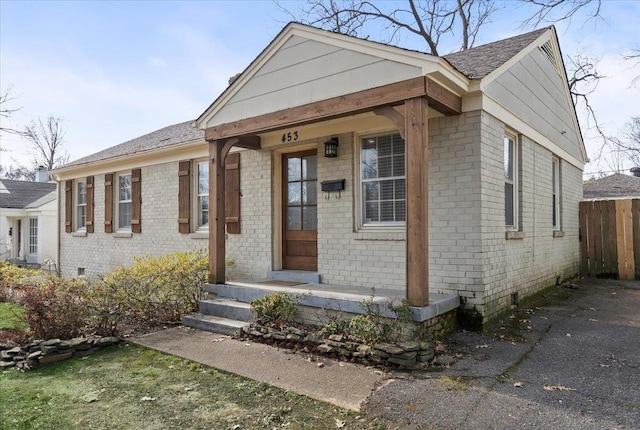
(406, 356)
(313, 340)
(7, 364)
(54, 358)
(48, 349)
(401, 362)
(389, 348)
(51, 342)
(106, 341)
(34, 355)
(364, 349)
(336, 337)
(297, 332)
(4, 355)
(409, 346)
(445, 360)
(324, 348)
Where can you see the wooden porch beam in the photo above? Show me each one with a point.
(439, 98)
(216, 212)
(442, 100)
(349, 104)
(417, 174)
(394, 116)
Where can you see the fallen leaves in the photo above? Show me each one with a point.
(340, 423)
(593, 320)
(518, 384)
(558, 388)
(484, 345)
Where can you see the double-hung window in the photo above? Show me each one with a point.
(33, 236)
(81, 205)
(511, 182)
(555, 191)
(124, 206)
(202, 198)
(382, 178)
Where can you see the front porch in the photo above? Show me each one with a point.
(227, 309)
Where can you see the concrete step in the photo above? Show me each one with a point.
(227, 309)
(295, 276)
(236, 292)
(214, 324)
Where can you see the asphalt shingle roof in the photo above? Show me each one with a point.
(20, 194)
(616, 185)
(167, 136)
(478, 62)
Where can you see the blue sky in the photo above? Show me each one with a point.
(119, 69)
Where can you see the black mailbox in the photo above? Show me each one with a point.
(335, 185)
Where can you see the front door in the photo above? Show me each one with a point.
(300, 211)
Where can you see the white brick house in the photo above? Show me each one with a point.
(456, 175)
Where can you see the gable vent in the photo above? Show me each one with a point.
(550, 53)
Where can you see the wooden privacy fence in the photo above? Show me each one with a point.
(610, 238)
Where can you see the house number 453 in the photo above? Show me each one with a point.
(290, 137)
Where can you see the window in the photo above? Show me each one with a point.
(81, 205)
(33, 236)
(556, 198)
(382, 176)
(202, 198)
(511, 182)
(124, 201)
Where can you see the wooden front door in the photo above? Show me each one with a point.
(300, 211)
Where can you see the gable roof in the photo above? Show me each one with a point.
(616, 185)
(479, 61)
(21, 194)
(167, 136)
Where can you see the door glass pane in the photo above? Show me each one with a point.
(294, 169)
(310, 218)
(294, 218)
(309, 167)
(293, 193)
(310, 193)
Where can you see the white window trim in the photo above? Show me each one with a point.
(516, 179)
(117, 201)
(31, 244)
(360, 225)
(77, 206)
(557, 190)
(196, 201)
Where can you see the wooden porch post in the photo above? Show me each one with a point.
(216, 212)
(417, 242)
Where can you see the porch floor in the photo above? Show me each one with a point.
(341, 297)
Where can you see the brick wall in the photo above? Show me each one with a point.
(537, 260)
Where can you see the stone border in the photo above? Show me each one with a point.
(409, 355)
(40, 353)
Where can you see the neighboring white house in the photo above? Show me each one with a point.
(28, 222)
(363, 164)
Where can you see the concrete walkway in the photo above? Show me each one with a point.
(343, 384)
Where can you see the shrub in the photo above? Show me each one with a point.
(276, 309)
(54, 309)
(12, 277)
(372, 326)
(152, 290)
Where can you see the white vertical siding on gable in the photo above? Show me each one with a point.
(305, 71)
(533, 91)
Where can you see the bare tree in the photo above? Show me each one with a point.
(628, 141)
(47, 141)
(17, 173)
(429, 20)
(553, 11)
(6, 111)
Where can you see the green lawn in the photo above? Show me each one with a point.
(12, 316)
(129, 387)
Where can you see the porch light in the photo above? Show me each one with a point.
(331, 147)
